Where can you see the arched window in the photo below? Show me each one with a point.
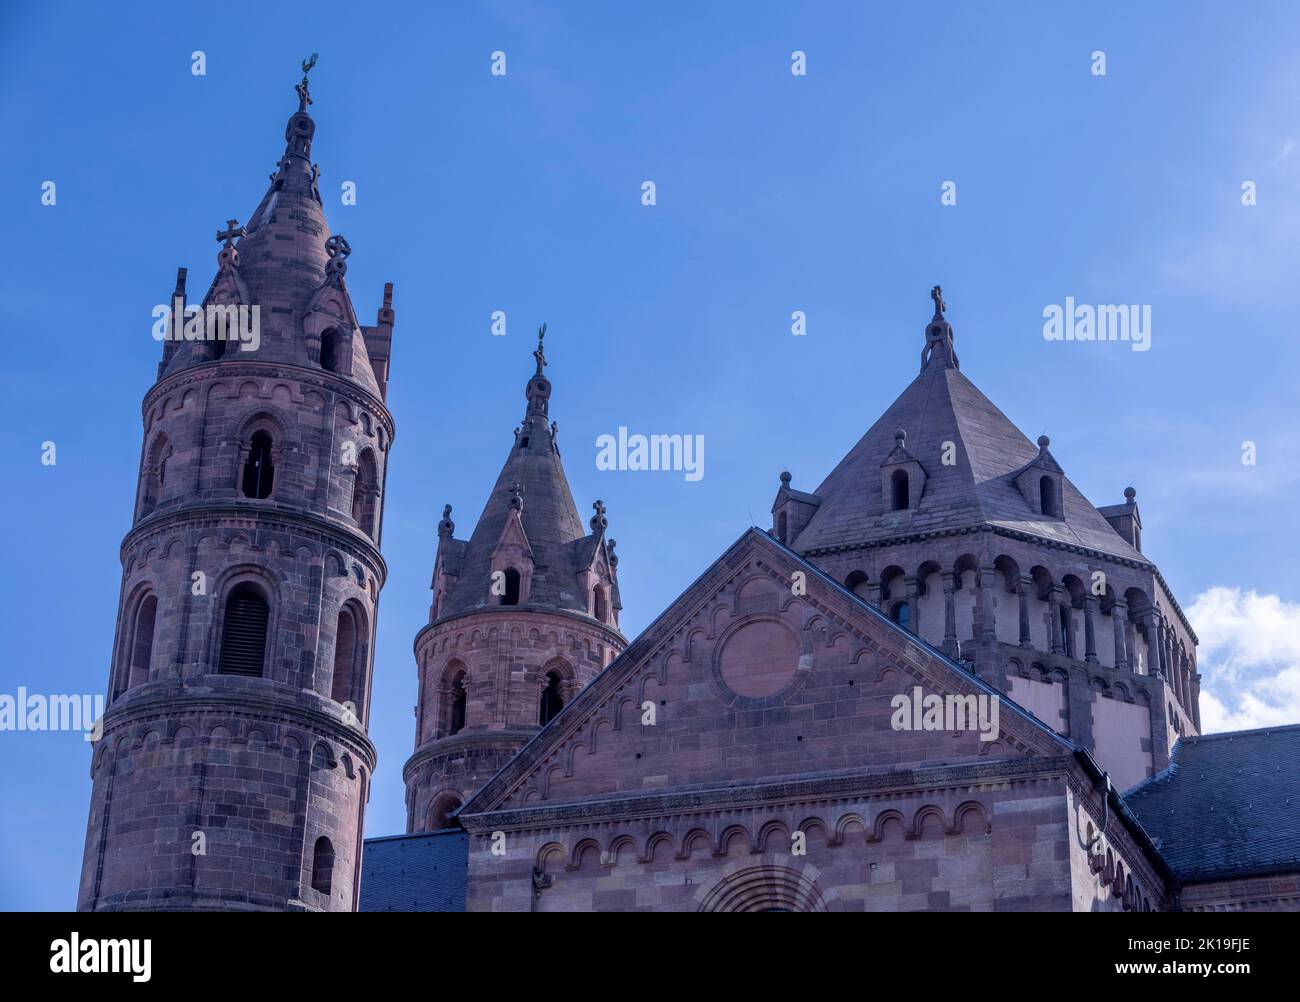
(855, 581)
(511, 596)
(598, 603)
(141, 650)
(243, 634)
(458, 700)
(781, 524)
(552, 702)
(259, 474)
(155, 474)
(441, 811)
(901, 613)
(345, 645)
(364, 491)
(329, 350)
(901, 489)
(322, 865)
(1047, 496)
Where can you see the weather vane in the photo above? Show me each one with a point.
(538, 354)
(304, 98)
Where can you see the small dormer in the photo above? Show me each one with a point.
(596, 570)
(791, 511)
(512, 560)
(328, 330)
(447, 566)
(1125, 520)
(1042, 483)
(902, 477)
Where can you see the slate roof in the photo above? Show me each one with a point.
(1228, 804)
(415, 873)
(942, 405)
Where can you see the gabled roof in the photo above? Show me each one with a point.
(941, 405)
(1227, 805)
(415, 873)
(503, 784)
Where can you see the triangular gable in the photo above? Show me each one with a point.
(227, 288)
(513, 538)
(748, 680)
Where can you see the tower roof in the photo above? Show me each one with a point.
(284, 261)
(533, 485)
(972, 455)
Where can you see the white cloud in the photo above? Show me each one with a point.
(1249, 659)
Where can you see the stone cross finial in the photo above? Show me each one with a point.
(338, 249)
(232, 232)
(539, 354)
(517, 496)
(939, 305)
(337, 246)
(598, 520)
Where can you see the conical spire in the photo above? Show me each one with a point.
(530, 509)
(285, 261)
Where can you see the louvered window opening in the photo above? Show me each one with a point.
(243, 638)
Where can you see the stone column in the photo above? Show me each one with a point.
(873, 594)
(1119, 614)
(1022, 591)
(913, 606)
(1089, 629)
(949, 616)
(1155, 655)
(1054, 603)
(1196, 698)
(988, 615)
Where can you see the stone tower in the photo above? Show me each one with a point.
(524, 614)
(234, 765)
(950, 520)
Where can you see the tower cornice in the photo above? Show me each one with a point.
(495, 613)
(251, 515)
(208, 371)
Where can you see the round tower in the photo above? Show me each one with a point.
(234, 765)
(524, 614)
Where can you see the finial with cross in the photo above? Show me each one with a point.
(517, 496)
(939, 305)
(539, 354)
(598, 520)
(337, 246)
(232, 232)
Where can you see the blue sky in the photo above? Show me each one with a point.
(775, 193)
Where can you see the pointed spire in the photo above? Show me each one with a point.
(559, 548)
(938, 336)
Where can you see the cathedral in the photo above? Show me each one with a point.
(941, 680)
